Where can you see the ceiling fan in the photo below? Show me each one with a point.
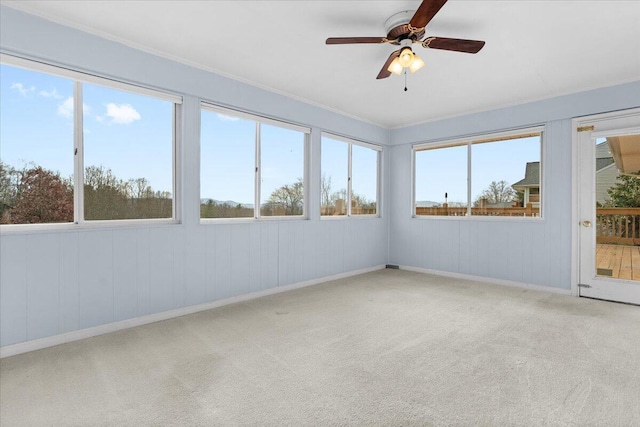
(403, 30)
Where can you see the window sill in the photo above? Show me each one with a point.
(480, 218)
(89, 225)
(346, 218)
(210, 221)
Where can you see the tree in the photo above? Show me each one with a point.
(108, 197)
(9, 178)
(42, 196)
(213, 209)
(498, 192)
(325, 191)
(105, 195)
(286, 200)
(625, 193)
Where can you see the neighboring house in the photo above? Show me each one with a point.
(530, 185)
(606, 175)
(606, 172)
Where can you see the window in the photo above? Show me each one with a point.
(497, 175)
(282, 166)
(349, 177)
(334, 177)
(118, 166)
(128, 155)
(250, 166)
(36, 147)
(227, 166)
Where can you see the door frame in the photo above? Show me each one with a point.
(577, 122)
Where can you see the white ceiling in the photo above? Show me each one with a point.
(535, 49)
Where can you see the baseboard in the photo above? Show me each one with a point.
(489, 280)
(27, 346)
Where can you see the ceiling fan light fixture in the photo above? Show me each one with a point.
(395, 67)
(406, 57)
(416, 64)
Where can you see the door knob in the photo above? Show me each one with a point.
(586, 223)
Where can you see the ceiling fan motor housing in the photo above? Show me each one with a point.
(397, 19)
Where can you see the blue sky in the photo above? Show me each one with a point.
(227, 158)
(334, 164)
(445, 170)
(128, 133)
(132, 135)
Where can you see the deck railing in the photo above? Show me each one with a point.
(445, 210)
(618, 225)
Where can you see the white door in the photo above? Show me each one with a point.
(609, 206)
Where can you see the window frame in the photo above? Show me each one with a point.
(259, 120)
(350, 143)
(78, 79)
(469, 141)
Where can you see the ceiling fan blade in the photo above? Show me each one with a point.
(384, 73)
(351, 40)
(457, 45)
(426, 12)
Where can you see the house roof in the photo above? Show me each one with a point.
(532, 172)
(531, 176)
(603, 162)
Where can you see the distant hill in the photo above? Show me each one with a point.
(228, 202)
(427, 204)
(431, 204)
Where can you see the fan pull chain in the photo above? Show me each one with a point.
(405, 79)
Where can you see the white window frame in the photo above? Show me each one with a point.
(469, 141)
(350, 143)
(78, 79)
(259, 120)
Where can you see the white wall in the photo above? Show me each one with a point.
(532, 252)
(53, 282)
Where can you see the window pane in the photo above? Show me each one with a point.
(364, 180)
(333, 187)
(441, 181)
(227, 166)
(505, 177)
(36, 147)
(128, 155)
(282, 171)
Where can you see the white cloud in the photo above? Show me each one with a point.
(66, 108)
(227, 118)
(24, 91)
(122, 114)
(53, 93)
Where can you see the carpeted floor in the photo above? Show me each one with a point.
(390, 348)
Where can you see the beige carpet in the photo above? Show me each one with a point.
(391, 348)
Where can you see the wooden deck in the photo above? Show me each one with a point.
(618, 261)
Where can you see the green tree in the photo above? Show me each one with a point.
(625, 193)
(213, 209)
(108, 197)
(9, 178)
(105, 195)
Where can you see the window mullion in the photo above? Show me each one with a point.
(176, 180)
(378, 186)
(258, 172)
(78, 150)
(349, 181)
(469, 179)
